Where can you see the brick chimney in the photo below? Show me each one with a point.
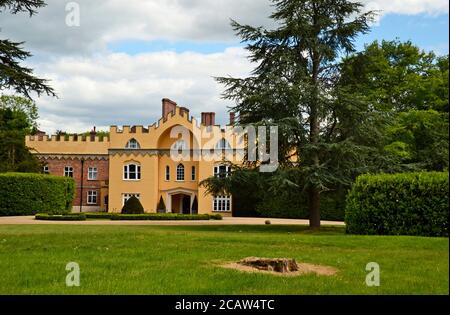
(93, 133)
(232, 118)
(184, 111)
(208, 119)
(168, 106)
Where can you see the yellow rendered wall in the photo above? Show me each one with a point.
(146, 186)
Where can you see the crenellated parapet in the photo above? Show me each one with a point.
(44, 144)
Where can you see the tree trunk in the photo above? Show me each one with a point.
(314, 208)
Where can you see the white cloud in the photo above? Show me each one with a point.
(106, 21)
(97, 87)
(123, 89)
(411, 7)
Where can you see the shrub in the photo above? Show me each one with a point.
(161, 205)
(159, 217)
(65, 217)
(133, 206)
(28, 194)
(295, 206)
(215, 216)
(98, 215)
(399, 204)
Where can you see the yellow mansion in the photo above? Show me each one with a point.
(166, 160)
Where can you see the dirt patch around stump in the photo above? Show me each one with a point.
(280, 266)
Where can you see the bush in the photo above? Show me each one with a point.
(215, 216)
(161, 205)
(133, 206)
(295, 206)
(65, 217)
(159, 217)
(28, 194)
(98, 215)
(399, 204)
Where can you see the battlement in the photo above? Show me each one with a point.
(67, 144)
(64, 138)
(179, 112)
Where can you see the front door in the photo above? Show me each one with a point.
(186, 205)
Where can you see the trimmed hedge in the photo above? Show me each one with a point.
(399, 204)
(98, 215)
(66, 217)
(295, 206)
(163, 217)
(28, 194)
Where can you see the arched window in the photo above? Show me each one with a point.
(133, 144)
(223, 144)
(167, 173)
(132, 171)
(180, 172)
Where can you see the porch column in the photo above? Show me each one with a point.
(169, 203)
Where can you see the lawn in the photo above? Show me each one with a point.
(184, 260)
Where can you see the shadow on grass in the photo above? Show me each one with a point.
(297, 229)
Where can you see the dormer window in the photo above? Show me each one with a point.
(133, 144)
(223, 144)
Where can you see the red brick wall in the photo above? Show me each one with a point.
(56, 167)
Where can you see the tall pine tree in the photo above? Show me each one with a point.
(295, 86)
(12, 74)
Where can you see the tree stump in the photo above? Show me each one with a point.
(282, 265)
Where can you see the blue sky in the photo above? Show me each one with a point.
(429, 32)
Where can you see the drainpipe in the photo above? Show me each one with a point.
(81, 185)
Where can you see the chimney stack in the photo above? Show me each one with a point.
(184, 110)
(93, 133)
(168, 106)
(232, 118)
(208, 119)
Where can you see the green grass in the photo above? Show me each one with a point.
(183, 260)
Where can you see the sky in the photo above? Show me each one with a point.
(115, 64)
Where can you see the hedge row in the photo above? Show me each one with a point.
(28, 194)
(295, 206)
(399, 204)
(164, 217)
(98, 215)
(66, 217)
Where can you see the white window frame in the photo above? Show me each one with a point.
(217, 173)
(167, 173)
(180, 172)
(127, 196)
(45, 169)
(68, 171)
(127, 172)
(221, 203)
(193, 173)
(92, 171)
(92, 197)
(133, 144)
